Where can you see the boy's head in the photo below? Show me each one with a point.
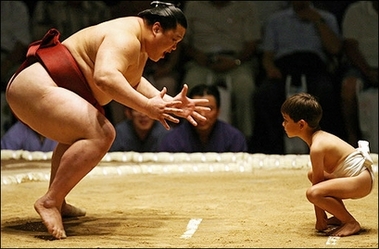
(303, 106)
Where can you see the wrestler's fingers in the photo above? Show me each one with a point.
(163, 92)
(171, 118)
(200, 101)
(198, 116)
(174, 103)
(173, 110)
(184, 90)
(202, 108)
(192, 120)
(164, 123)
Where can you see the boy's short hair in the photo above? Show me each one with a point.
(303, 106)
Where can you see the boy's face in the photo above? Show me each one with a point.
(290, 127)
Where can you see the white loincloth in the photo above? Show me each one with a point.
(354, 164)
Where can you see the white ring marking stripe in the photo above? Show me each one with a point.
(192, 226)
(332, 240)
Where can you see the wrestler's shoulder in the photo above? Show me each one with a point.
(122, 27)
(128, 22)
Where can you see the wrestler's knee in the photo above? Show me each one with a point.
(106, 136)
(110, 134)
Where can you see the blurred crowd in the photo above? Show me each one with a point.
(245, 56)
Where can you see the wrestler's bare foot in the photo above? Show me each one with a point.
(334, 221)
(347, 229)
(51, 217)
(72, 211)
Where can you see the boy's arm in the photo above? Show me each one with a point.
(317, 160)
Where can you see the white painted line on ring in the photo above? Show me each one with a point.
(332, 240)
(192, 226)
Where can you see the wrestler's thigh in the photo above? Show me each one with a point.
(346, 187)
(53, 111)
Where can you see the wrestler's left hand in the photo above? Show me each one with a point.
(190, 107)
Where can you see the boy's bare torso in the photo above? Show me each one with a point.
(334, 150)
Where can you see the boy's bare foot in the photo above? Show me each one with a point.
(334, 221)
(51, 217)
(72, 211)
(347, 229)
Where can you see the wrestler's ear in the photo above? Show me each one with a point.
(156, 28)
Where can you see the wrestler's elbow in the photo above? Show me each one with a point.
(102, 81)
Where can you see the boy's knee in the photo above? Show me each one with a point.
(313, 194)
(310, 175)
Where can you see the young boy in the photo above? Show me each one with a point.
(339, 171)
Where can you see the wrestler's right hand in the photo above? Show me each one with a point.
(163, 111)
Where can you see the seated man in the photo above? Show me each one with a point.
(22, 137)
(137, 133)
(220, 47)
(211, 135)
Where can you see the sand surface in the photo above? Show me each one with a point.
(263, 208)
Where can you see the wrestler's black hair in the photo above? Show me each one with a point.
(167, 14)
(303, 106)
(203, 89)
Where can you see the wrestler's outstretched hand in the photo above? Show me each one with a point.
(162, 110)
(190, 107)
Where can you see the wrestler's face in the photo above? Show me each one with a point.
(165, 41)
(212, 115)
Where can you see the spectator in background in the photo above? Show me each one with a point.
(67, 16)
(21, 137)
(337, 8)
(137, 133)
(15, 38)
(267, 8)
(220, 46)
(297, 44)
(360, 33)
(211, 135)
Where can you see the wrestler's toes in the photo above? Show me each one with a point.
(58, 233)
